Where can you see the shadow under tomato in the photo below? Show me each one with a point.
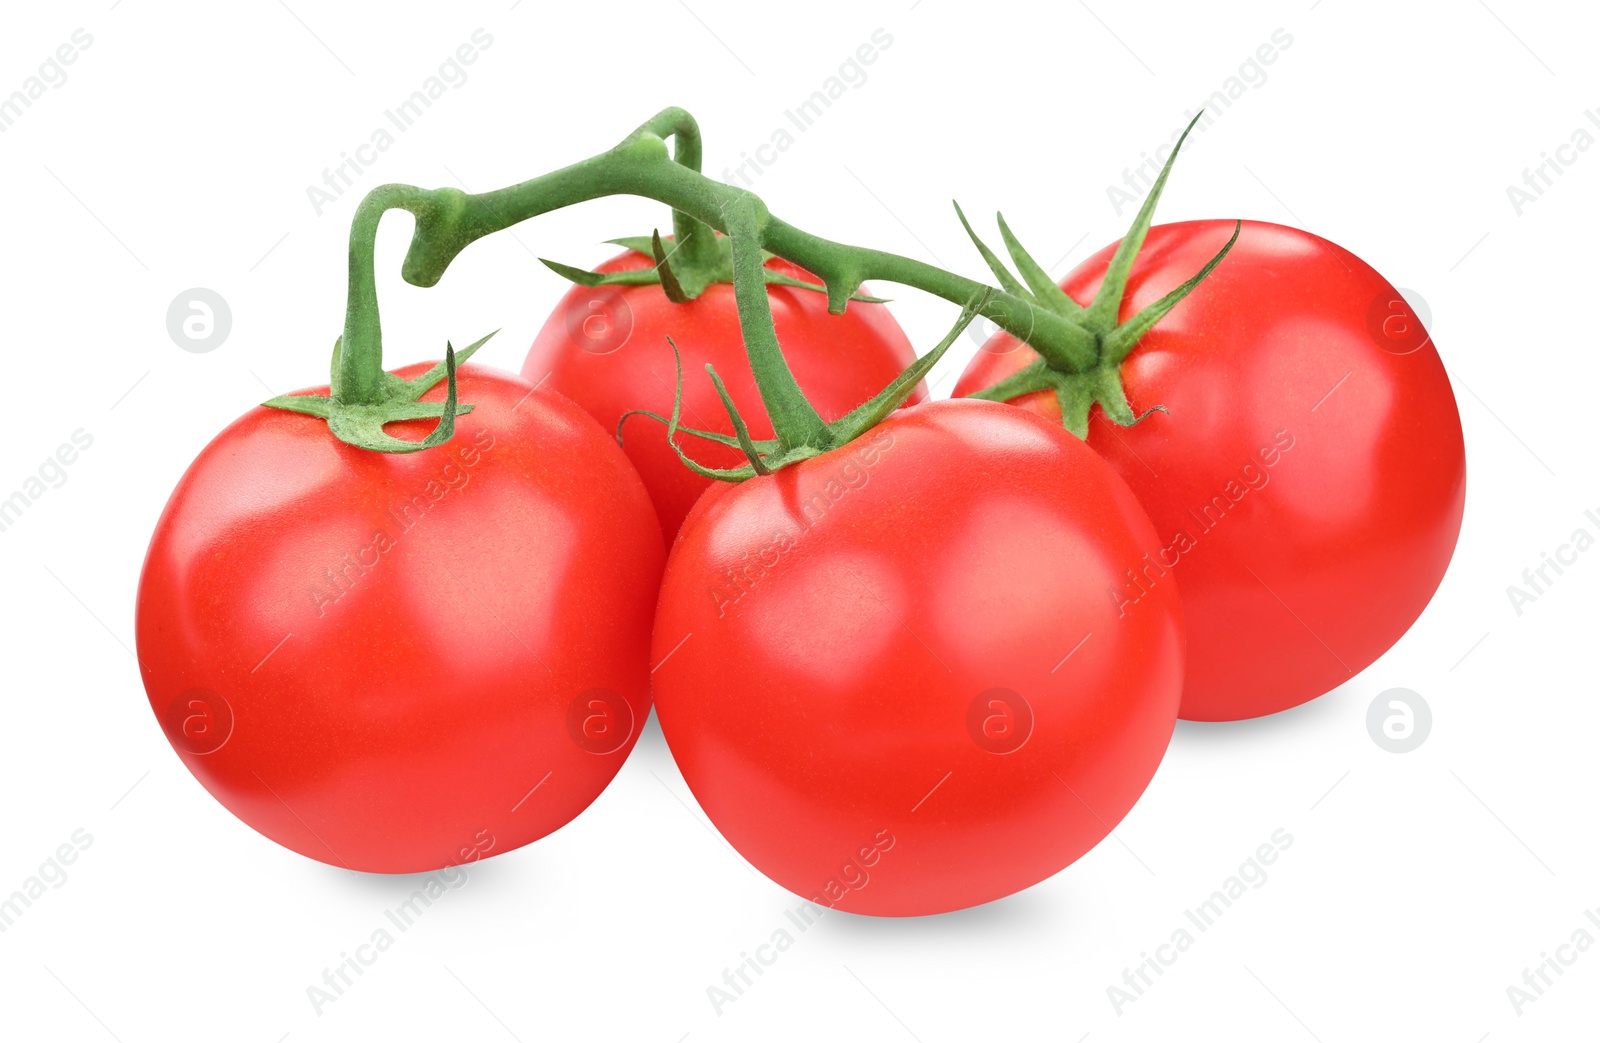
(494, 871)
(651, 748)
(1332, 710)
(1033, 910)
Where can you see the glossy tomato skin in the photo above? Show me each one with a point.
(606, 349)
(1309, 475)
(396, 663)
(891, 674)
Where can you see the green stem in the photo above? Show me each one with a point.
(694, 238)
(641, 166)
(1080, 349)
(358, 377)
(794, 420)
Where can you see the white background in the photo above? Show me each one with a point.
(177, 154)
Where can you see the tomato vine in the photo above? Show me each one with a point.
(1080, 348)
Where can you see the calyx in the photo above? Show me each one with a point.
(1079, 382)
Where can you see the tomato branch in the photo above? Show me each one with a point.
(1081, 347)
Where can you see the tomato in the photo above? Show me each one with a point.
(396, 663)
(606, 349)
(890, 674)
(1307, 474)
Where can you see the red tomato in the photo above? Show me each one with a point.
(890, 674)
(1308, 477)
(606, 349)
(395, 663)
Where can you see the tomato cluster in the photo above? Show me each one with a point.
(906, 669)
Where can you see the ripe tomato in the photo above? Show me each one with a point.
(606, 348)
(1308, 475)
(890, 673)
(395, 663)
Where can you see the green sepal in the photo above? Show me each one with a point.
(631, 277)
(1075, 394)
(767, 456)
(1045, 290)
(1106, 387)
(423, 382)
(741, 432)
(1008, 282)
(860, 419)
(669, 282)
(725, 474)
(362, 424)
(1035, 376)
(1077, 389)
(1102, 312)
(639, 244)
(581, 276)
(764, 446)
(1120, 341)
(311, 405)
